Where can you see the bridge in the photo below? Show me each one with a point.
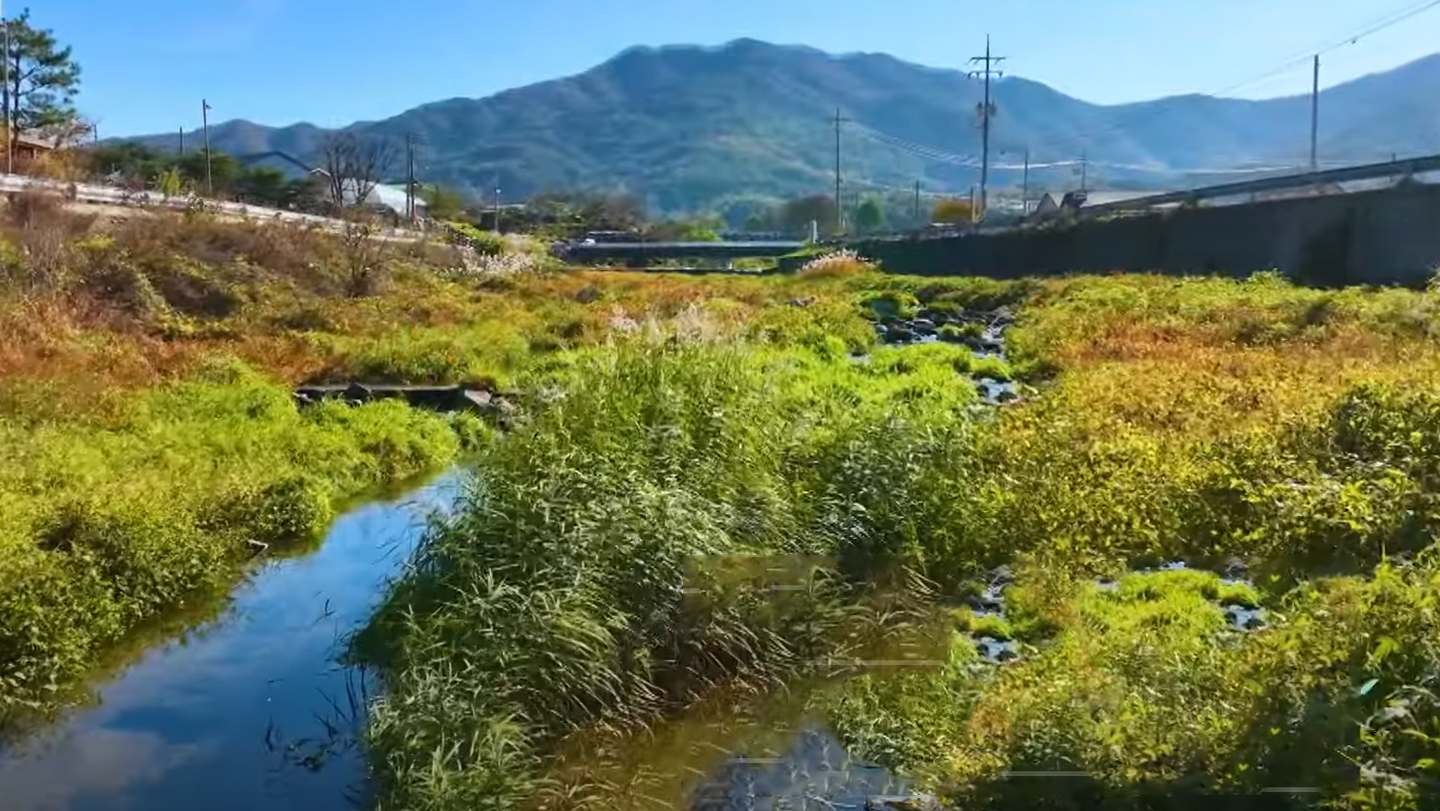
(638, 251)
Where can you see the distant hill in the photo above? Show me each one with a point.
(685, 126)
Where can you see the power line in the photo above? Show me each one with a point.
(1374, 26)
(971, 162)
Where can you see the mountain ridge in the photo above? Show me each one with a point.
(686, 126)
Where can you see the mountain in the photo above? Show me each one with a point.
(685, 126)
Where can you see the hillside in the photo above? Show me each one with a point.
(685, 125)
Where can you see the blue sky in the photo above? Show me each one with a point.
(148, 63)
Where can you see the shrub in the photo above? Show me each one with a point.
(838, 264)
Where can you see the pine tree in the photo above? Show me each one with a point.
(43, 79)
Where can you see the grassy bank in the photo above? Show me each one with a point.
(1207, 421)
(1196, 419)
(149, 443)
(147, 426)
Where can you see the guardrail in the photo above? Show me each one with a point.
(1369, 171)
(95, 193)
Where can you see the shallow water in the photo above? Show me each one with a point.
(733, 750)
(252, 709)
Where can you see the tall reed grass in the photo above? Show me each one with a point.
(563, 595)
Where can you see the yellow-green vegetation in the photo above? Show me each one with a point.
(1200, 419)
(147, 433)
(149, 442)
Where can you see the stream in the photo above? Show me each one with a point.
(251, 709)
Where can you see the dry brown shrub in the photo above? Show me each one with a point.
(40, 226)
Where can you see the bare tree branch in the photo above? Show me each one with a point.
(355, 164)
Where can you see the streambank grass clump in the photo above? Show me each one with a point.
(566, 594)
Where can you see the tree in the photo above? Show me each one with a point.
(44, 79)
(225, 170)
(796, 215)
(613, 212)
(870, 216)
(702, 229)
(268, 186)
(354, 165)
(443, 203)
(953, 211)
(126, 159)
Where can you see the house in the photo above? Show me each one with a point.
(29, 147)
(1050, 205)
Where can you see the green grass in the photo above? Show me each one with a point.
(678, 422)
(109, 523)
(1200, 419)
(528, 616)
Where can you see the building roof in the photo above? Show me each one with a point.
(1100, 198)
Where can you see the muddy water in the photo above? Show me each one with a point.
(250, 710)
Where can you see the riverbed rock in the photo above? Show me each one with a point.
(1235, 569)
(901, 335)
(589, 294)
(924, 326)
(356, 391)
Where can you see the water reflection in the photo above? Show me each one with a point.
(738, 749)
(253, 712)
(813, 771)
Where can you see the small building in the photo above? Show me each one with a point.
(29, 147)
(382, 197)
(1051, 205)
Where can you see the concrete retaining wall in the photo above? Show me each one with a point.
(1390, 236)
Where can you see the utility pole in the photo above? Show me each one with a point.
(917, 202)
(1084, 169)
(182, 140)
(9, 104)
(410, 177)
(987, 111)
(497, 204)
(205, 123)
(1315, 118)
(839, 204)
(1025, 186)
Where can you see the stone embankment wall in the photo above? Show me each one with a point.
(1390, 236)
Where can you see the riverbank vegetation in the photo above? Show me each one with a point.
(686, 435)
(1276, 439)
(150, 442)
